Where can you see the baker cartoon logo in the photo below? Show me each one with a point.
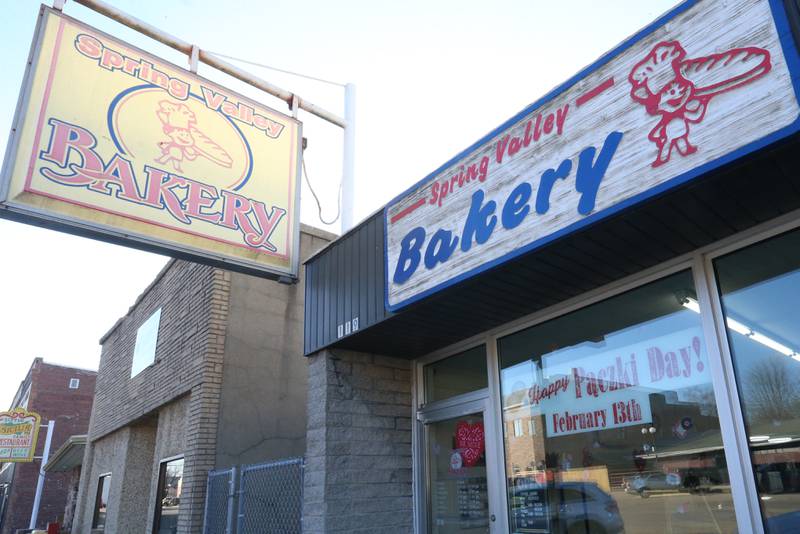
(678, 90)
(184, 136)
(186, 141)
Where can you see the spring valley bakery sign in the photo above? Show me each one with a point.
(701, 86)
(111, 140)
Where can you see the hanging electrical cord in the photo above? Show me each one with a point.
(316, 198)
(303, 160)
(276, 69)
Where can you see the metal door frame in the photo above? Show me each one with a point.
(462, 405)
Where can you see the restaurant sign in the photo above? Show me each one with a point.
(114, 143)
(19, 429)
(703, 85)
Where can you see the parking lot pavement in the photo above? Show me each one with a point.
(678, 512)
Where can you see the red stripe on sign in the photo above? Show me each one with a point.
(585, 97)
(408, 210)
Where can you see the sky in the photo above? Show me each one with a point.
(431, 77)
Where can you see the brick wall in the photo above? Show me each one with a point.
(194, 305)
(51, 398)
(192, 350)
(184, 293)
(358, 455)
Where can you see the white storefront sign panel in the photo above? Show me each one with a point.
(705, 84)
(579, 392)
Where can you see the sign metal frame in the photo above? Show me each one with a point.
(102, 232)
(37, 423)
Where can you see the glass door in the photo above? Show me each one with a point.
(459, 493)
(458, 484)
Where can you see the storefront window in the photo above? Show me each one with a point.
(455, 375)
(760, 291)
(610, 419)
(101, 502)
(170, 484)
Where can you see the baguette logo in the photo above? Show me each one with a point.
(678, 90)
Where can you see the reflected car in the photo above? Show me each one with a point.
(570, 508)
(788, 523)
(643, 485)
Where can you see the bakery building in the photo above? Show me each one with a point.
(204, 373)
(586, 321)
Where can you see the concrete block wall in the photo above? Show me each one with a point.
(170, 441)
(358, 453)
(136, 476)
(127, 455)
(263, 395)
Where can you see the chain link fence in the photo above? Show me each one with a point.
(269, 495)
(220, 495)
(271, 498)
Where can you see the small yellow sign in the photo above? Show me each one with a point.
(110, 139)
(19, 430)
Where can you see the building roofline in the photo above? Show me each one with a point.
(318, 232)
(73, 367)
(141, 296)
(304, 229)
(337, 238)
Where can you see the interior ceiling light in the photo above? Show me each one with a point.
(779, 440)
(691, 304)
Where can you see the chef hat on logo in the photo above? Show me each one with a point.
(657, 69)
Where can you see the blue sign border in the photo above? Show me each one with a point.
(791, 55)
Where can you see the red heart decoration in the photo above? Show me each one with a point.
(469, 440)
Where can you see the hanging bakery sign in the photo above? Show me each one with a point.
(115, 143)
(19, 429)
(703, 85)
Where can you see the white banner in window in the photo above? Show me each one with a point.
(579, 391)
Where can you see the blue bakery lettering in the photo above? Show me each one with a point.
(481, 218)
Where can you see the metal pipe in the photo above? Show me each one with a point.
(265, 86)
(348, 159)
(207, 58)
(136, 24)
(40, 482)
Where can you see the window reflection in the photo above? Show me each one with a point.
(610, 420)
(760, 289)
(170, 486)
(455, 375)
(101, 503)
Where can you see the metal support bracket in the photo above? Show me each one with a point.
(194, 58)
(58, 5)
(295, 105)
